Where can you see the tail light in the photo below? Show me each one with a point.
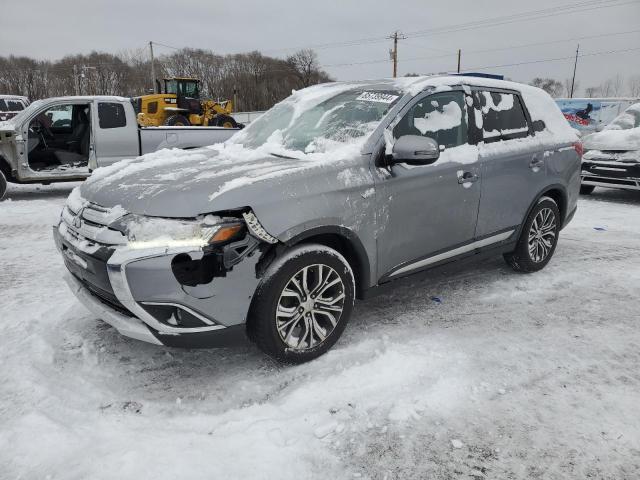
(579, 148)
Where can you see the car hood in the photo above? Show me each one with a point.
(610, 139)
(186, 183)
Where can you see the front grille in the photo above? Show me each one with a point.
(89, 224)
(84, 231)
(611, 169)
(107, 298)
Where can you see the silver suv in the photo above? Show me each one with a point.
(336, 191)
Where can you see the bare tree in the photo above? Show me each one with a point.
(591, 92)
(567, 86)
(551, 86)
(612, 87)
(259, 81)
(633, 85)
(305, 67)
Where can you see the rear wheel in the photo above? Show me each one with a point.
(3, 185)
(303, 304)
(177, 121)
(587, 189)
(538, 239)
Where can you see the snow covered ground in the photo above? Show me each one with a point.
(479, 373)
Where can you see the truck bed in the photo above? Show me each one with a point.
(156, 138)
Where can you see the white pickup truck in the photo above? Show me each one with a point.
(64, 139)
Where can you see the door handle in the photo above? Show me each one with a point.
(467, 177)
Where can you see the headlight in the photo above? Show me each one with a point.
(150, 232)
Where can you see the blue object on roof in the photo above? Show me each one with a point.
(480, 74)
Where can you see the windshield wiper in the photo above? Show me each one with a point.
(282, 156)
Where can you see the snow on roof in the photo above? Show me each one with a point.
(113, 98)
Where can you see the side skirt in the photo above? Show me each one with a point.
(456, 262)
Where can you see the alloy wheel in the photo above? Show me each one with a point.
(542, 235)
(310, 306)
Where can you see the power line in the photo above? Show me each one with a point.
(494, 21)
(167, 46)
(524, 16)
(592, 54)
(487, 50)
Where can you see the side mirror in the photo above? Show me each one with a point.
(415, 150)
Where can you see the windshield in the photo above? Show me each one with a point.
(320, 118)
(630, 118)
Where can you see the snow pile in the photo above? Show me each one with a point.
(623, 133)
(509, 376)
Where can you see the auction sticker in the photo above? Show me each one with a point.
(380, 97)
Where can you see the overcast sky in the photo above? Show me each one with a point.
(50, 30)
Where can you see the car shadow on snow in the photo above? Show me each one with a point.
(228, 378)
(39, 192)
(628, 197)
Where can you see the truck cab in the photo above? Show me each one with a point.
(57, 139)
(64, 139)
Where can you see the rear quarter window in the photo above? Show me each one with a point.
(502, 116)
(3, 106)
(111, 115)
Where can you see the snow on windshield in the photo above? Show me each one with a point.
(320, 119)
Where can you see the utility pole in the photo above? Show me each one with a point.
(575, 65)
(393, 53)
(459, 55)
(153, 68)
(76, 85)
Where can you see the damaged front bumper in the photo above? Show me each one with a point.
(150, 294)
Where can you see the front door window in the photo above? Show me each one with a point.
(59, 138)
(441, 116)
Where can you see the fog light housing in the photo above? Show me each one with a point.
(176, 316)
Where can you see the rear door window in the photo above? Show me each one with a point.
(3, 106)
(111, 115)
(502, 116)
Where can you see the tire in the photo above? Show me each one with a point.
(224, 121)
(587, 189)
(3, 185)
(177, 121)
(285, 320)
(539, 238)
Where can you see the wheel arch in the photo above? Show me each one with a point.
(559, 195)
(5, 168)
(346, 243)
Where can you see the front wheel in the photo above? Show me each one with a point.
(303, 304)
(225, 121)
(538, 239)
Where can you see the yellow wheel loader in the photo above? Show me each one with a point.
(179, 104)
